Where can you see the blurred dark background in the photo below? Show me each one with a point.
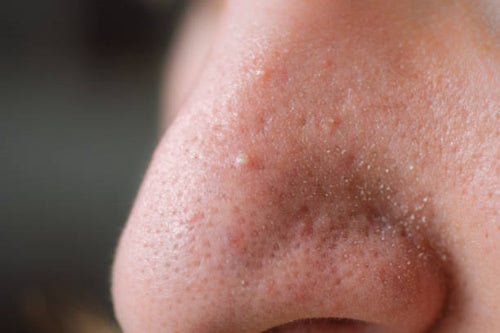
(79, 89)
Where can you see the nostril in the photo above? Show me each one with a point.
(320, 325)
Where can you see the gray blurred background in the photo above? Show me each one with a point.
(79, 94)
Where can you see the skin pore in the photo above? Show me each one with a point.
(328, 159)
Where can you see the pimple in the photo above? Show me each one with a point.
(260, 72)
(331, 124)
(195, 218)
(241, 160)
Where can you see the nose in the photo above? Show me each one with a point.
(271, 201)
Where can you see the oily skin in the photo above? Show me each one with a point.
(332, 159)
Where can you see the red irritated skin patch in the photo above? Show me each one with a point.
(334, 160)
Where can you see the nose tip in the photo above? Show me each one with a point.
(229, 240)
(257, 211)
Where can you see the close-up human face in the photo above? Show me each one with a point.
(332, 166)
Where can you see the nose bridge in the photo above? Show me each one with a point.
(265, 67)
(256, 42)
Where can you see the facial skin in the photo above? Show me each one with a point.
(329, 159)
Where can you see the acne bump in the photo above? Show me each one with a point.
(241, 160)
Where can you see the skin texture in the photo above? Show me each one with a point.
(330, 159)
